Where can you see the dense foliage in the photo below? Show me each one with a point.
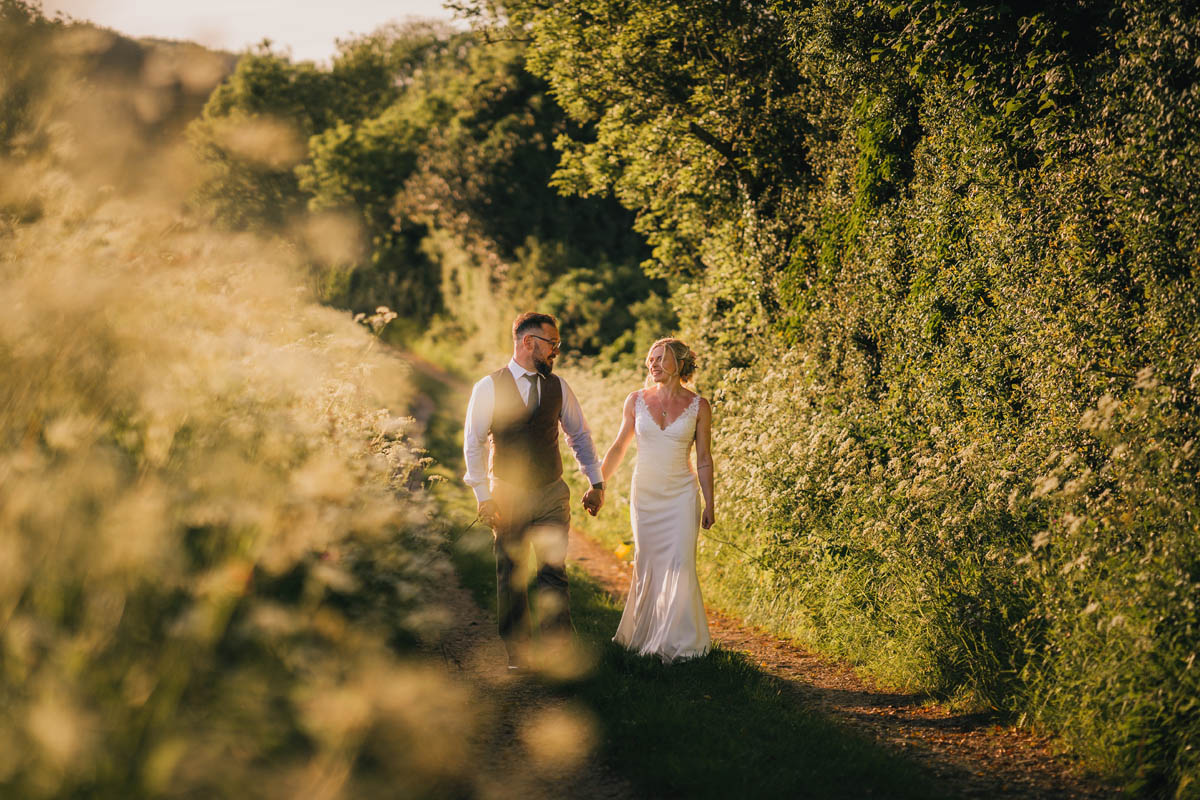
(53, 71)
(438, 149)
(941, 259)
(215, 562)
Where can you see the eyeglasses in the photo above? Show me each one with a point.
(555, 344)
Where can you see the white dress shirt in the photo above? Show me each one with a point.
(479, 423)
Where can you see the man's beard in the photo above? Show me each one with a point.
(543, 367)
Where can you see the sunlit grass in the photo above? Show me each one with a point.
(712, 728)
(216, 557)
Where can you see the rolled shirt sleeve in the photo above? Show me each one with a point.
(579, 437)
(475, 437)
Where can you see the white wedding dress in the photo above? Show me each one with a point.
(664, 615)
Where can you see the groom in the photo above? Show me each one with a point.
(520, 407)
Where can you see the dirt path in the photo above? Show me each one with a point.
(973, 756)
(531, 745)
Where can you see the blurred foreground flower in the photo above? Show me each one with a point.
(183, 436)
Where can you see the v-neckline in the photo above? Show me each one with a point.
(665, 428)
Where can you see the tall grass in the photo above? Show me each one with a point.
(713, 728)
(1057, 587)
(216, 556)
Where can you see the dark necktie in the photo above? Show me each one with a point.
(534, 394)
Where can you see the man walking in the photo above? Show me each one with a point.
(520, 407)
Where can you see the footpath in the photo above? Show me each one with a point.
(971, 755)
(531, 743)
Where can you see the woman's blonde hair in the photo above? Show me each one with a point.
(685, 359)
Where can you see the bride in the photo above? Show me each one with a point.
(664, 615)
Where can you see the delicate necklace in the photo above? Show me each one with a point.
(664, 407)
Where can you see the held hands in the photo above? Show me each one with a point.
(489, 513)
(707, 518)
(593, 499)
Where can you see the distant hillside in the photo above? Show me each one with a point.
(103, 82)
(166, 82)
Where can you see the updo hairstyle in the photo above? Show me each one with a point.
(685, 359)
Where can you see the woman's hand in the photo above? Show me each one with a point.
(707, 518)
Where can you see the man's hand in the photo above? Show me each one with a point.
(593, 499)
(489, 512)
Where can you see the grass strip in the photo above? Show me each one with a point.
(715, 727)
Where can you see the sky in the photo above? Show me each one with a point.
(307, 27)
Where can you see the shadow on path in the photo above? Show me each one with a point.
(757, 718)
(971, 755)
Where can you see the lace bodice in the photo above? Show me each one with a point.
(665, 449)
